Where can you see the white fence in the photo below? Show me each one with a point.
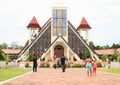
(114, 65)
(10, 64)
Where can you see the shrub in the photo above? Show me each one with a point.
(114, 57)
(68, 65)
(99, 64)
(30, 58)
(77, 66)
(104, 57)
(3, 56)
(27, 65)
(118, 58)
(44, 65)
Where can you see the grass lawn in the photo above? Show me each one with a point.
(11, 72)
(116, 71)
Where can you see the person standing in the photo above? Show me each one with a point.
(55, 63)
(94, 67)
(89, 66)
(34, 62)
(63, 63)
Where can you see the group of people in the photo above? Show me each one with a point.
(61, 62)
(91, 66)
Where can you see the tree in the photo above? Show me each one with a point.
(2, 55)
(106, 47)
(14, 45)
(98, 47)
(115, 45)
(104, 57)
(5, 45)
(87, 53)
(0, 47)
(114, 56)
(118, 58)
(91, 44)
(30, 58)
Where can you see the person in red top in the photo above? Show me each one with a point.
(94, 67)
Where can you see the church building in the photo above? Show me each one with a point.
(58, 37)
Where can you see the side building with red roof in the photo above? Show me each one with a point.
(108, 52)
(12, 52)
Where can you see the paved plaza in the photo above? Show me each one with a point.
(72, 76)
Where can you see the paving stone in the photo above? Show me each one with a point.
(72, 76)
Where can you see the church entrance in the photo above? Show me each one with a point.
(58, 51)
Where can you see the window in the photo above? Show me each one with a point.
(59, 22)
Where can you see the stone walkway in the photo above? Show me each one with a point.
(72, 76)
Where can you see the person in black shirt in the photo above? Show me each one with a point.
(34, 62)
(63, 63)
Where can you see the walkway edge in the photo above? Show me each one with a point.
(3, 82)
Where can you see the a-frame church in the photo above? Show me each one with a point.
(57, 37)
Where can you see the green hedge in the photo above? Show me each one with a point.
(27, 65)
(44, 65)
(77, 66)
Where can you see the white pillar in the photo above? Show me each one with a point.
(30, 33)
(68, 53)
(51, 53)
(87, 36)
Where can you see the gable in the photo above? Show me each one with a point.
(45, 32)
(77, 43)
(59, 38)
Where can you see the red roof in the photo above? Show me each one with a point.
(107, 51)
(11, 51)
(84, 24)
(34, 24)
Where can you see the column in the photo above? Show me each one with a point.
(87, 36)
(68, 53)
(30, 33)
(51, 53)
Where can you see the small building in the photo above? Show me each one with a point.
(11, 52)
(108, 52)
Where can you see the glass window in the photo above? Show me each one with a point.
(54, 23)
(64, 14)
(64, 23)
(64, 31)
(54, 13)
(59, 13)
(59, 23)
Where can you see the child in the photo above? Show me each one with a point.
(94, 67)
(55, 62)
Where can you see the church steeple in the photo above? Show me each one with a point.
(34, 29)
(34, 24)
(84, 26)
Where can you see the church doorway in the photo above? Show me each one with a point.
(58, 51)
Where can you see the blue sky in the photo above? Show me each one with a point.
(102, 15)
